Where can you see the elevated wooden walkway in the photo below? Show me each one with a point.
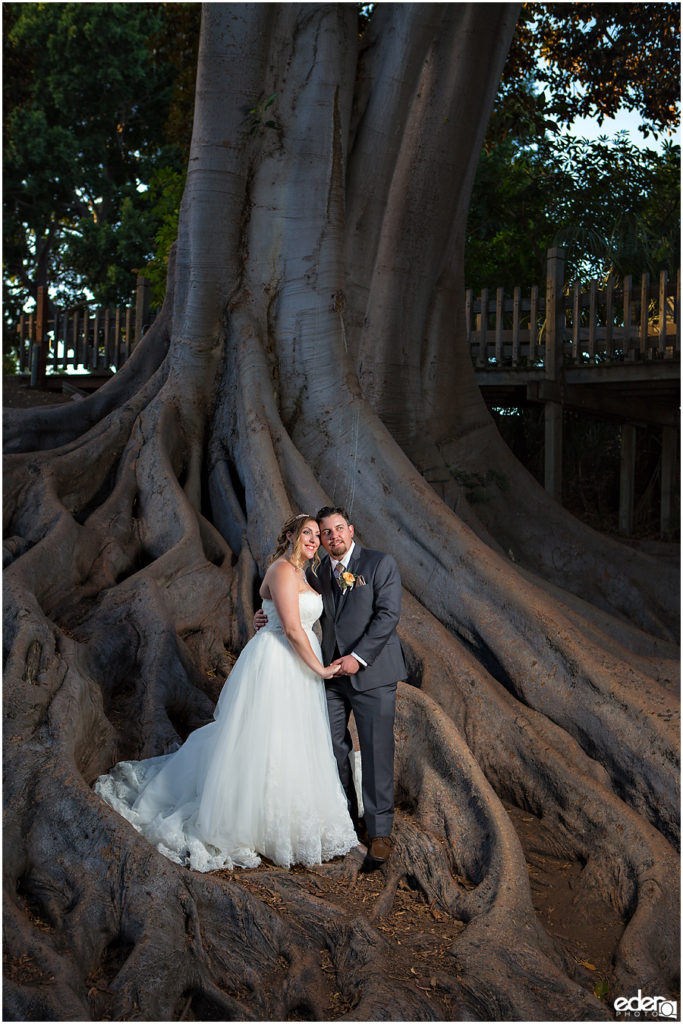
(613, 352)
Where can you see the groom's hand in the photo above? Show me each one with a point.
(349, 665)
(260, 619)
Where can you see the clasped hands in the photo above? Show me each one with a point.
(348, 666)
(344, 666)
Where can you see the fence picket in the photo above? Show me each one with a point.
(65, 336)
(500, 299)
(22, 347)
(609, 319)
(533, 325)
(592, 319)
(483, 324)
(117, 338)
(663, 280)
(628, 324)
(516, 307)
(129, 331)
(644, 311)
(576, 321)
(677, 312)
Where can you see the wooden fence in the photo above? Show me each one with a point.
(635, 322)
(82, 339)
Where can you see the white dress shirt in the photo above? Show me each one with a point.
(344, 562)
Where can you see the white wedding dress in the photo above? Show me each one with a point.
(260, 779)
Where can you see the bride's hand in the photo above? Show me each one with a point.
(331, 671)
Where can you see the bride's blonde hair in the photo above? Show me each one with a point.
(294, 526)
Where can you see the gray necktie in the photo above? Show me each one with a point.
(338, 570)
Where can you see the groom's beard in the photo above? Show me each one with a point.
(338, 551)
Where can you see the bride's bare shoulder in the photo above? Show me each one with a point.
(280, 573)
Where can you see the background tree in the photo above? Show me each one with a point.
(305, 352)
(614, 206)
(91, 100)
(595, 59)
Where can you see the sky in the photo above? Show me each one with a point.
(587, 128)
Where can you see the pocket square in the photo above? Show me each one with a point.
(360, 581)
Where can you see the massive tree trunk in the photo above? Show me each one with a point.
(311, 348)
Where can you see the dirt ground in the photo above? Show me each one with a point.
(16, 394)
(586, 929)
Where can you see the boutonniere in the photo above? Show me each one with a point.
(347, 581)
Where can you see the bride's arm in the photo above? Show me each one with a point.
(283, 584)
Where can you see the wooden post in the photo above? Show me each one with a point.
(609, 318)
(22, 344)
(627, 477)
(516, 308)
(129, 331)
(677, 312)
(105, 358)
(500, 303)
(468, 319)
(576, 322)
(533, 325)
(141, 307)
(483, 325)
(644, 314)
(94, 349)
(628, 344)
(592, 320)
(76, 329)
(81, 352)
(116, 357)
(663, 281)
(669, 438)
(554, 359)
(39, 359)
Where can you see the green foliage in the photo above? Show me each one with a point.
(97, 125)
(10, 363)
(601, 988)
(165, 193)
(594, 59)
(612, 205)
(258, 119)
(89, 95)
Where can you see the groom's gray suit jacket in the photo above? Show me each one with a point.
(364, 619)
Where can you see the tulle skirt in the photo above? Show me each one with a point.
(261, 779)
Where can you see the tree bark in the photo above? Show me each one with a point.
(311, 349)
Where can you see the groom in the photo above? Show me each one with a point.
(360, 614)
(361, 592)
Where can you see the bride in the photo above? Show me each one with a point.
(261, 778)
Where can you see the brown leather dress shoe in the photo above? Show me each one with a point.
(380, 849)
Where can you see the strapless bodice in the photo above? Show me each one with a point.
(310, 609)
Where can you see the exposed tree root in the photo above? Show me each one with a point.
(131, 665)
(138, 523)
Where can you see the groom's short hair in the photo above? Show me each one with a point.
(332, 510)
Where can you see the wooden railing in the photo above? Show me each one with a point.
(83, 339)
(634, 322)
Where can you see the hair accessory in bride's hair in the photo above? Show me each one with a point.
(303, 515)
